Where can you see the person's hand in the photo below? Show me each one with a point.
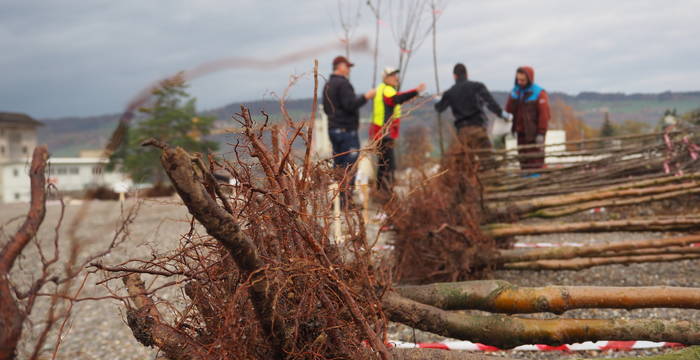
(370, 94)
(420, 88)
(539, 139)
(506, 116)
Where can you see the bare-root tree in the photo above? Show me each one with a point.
(410, 26)
(376, 8)
(436, 9)
(348, 20)
(425, 249)
(267, 280)
(12, 316)
(260, 275)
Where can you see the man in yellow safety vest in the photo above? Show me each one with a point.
(386, 117)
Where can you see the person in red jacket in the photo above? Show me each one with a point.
(529, 104)
(386, 118)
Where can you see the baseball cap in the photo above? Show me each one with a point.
(342, 59)
(390, 71)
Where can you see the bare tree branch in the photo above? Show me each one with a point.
(11, 317)
(145, 322)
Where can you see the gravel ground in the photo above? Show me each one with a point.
(98, 329)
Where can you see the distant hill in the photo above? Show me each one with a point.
(66, 136)
(646, 108)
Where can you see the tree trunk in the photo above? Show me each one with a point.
(583, 199)
(147, 327)
(508, 332)
(223, 227)
(504, 297)
(663, 224)
(376, 10)
(11, 317)
(585, 263)
(568, 210)
(561, 189)
(684, 250)
(570, 252)
(434, 9)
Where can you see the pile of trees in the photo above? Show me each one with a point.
(260, 274)
(314, 298)
(454, 224)
(288, 250)
(267, 281)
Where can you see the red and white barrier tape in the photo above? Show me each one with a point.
(585, 346)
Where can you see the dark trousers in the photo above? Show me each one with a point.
(346, 146)
(533, 157)
(386, 164)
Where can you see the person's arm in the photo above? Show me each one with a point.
(325, 99)
(510, 108)
(348, 100)
(510, 104)
(491, 104)
(543, 113)
(401, 97)
(444, 102)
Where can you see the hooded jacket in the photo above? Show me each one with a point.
(529, 106)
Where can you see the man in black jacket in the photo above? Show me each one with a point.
(467, 98)
(342, 107)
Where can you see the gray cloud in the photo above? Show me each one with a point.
(71, 57)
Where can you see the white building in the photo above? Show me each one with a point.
(73, 174)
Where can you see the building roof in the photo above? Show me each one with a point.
(18, 119)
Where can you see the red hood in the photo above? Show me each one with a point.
(530, 72)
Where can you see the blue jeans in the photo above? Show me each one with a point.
(346, 143)
(346, 146)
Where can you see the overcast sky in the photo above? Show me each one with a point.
(89, 57)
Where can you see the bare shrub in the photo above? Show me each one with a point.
(267, 280)
(437, 223)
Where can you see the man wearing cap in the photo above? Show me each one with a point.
(342, 107)
(467, 98)
(386, 118)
